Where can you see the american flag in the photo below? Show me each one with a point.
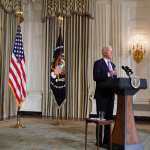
(17, 76)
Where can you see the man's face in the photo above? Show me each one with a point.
(108, 53)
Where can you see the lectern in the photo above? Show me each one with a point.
(124, 135)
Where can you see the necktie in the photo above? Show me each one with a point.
(110, 66)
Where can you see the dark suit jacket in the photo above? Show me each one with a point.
(100, 74)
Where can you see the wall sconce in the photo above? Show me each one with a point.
(137, 48)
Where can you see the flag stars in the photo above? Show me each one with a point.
(18, 50)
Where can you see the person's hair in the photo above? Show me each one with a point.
(105, 49)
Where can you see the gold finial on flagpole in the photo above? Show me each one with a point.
(19, 16)
(19, 13)
(60, 20)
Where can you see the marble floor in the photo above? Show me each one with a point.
(48, 134)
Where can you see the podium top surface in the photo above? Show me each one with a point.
(122, 85)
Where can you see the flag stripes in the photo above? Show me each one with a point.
(17, 76)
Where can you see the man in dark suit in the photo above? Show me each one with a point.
(103, 70)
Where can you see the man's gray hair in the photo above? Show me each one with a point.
(106, 48)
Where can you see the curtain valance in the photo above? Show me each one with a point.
(10, 6)
(67, 7)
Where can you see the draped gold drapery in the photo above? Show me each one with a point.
(76, 32)
(7, 35)
(52, 8)
(10, 6)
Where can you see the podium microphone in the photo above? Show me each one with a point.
(123, 67)
(127, 70)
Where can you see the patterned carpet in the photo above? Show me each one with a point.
(46, 134)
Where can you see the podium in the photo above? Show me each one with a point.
(124, 135)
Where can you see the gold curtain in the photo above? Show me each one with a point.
(7, 35)
(76, 34)
(50, 34)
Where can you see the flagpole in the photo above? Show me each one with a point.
(58, 119)
(60, 21)
(19, 124)
(57, 116)
(19, 20)
(56, 82)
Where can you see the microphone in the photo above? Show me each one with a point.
(124, 68)
(127, 70)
